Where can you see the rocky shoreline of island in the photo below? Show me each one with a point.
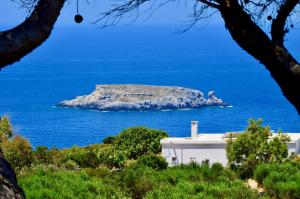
(132, 97)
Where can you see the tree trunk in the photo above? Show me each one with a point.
(8, 183)
(15, 44)
(21, 40)
(276, 58)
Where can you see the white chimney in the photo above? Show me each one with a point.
(194, 129)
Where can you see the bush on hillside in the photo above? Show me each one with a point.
(67, 184)
(41, 155)
(5, 127)
(113, 158)
(153, 161)
(280, 180)
(84, 158)
(44, 155)
(185, 181)
(70, 165)
(109, 140)
(138, 141)
(17, 151)
(254, 147)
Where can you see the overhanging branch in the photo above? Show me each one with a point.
(21, 40)
(278, 25)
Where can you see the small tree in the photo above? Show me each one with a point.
(254, 147)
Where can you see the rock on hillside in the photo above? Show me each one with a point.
(129, 97)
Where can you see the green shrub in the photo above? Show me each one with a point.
(138, 141)
(84, 158)
(216, 170)
(5, 127)
(255, 147)
(44, 155)
(102, 173)
(129, 144)
(111, 157)
(185, 181)
(153, 161)
(56, 156)
(262, 171)
(66, 184)
(115, 158)
(198, 181)
(70, 165)
(138, 181)
(41, 155)
(109, 140)
(17, 151)
(41, 168)
(280, 180)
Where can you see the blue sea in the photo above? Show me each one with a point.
(76, 58)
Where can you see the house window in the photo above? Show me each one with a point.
(174, 160)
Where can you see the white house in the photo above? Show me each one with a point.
(201, 147)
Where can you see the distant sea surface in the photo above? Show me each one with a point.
(77, 58)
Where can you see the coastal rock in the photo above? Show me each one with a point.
(129, 97)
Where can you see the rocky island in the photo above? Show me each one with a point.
(130, 97)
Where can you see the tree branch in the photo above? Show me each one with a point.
(114, 15)
(283, 67)
(21, 40)
(209, 3)
(278, 25)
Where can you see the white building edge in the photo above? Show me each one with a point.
(201, 147)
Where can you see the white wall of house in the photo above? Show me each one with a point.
(201, 147)
(184, 153)
(176, 154)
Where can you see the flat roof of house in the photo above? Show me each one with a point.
(212, 138)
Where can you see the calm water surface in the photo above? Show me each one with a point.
(75, 59)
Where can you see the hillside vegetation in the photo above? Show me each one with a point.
(129, 165)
